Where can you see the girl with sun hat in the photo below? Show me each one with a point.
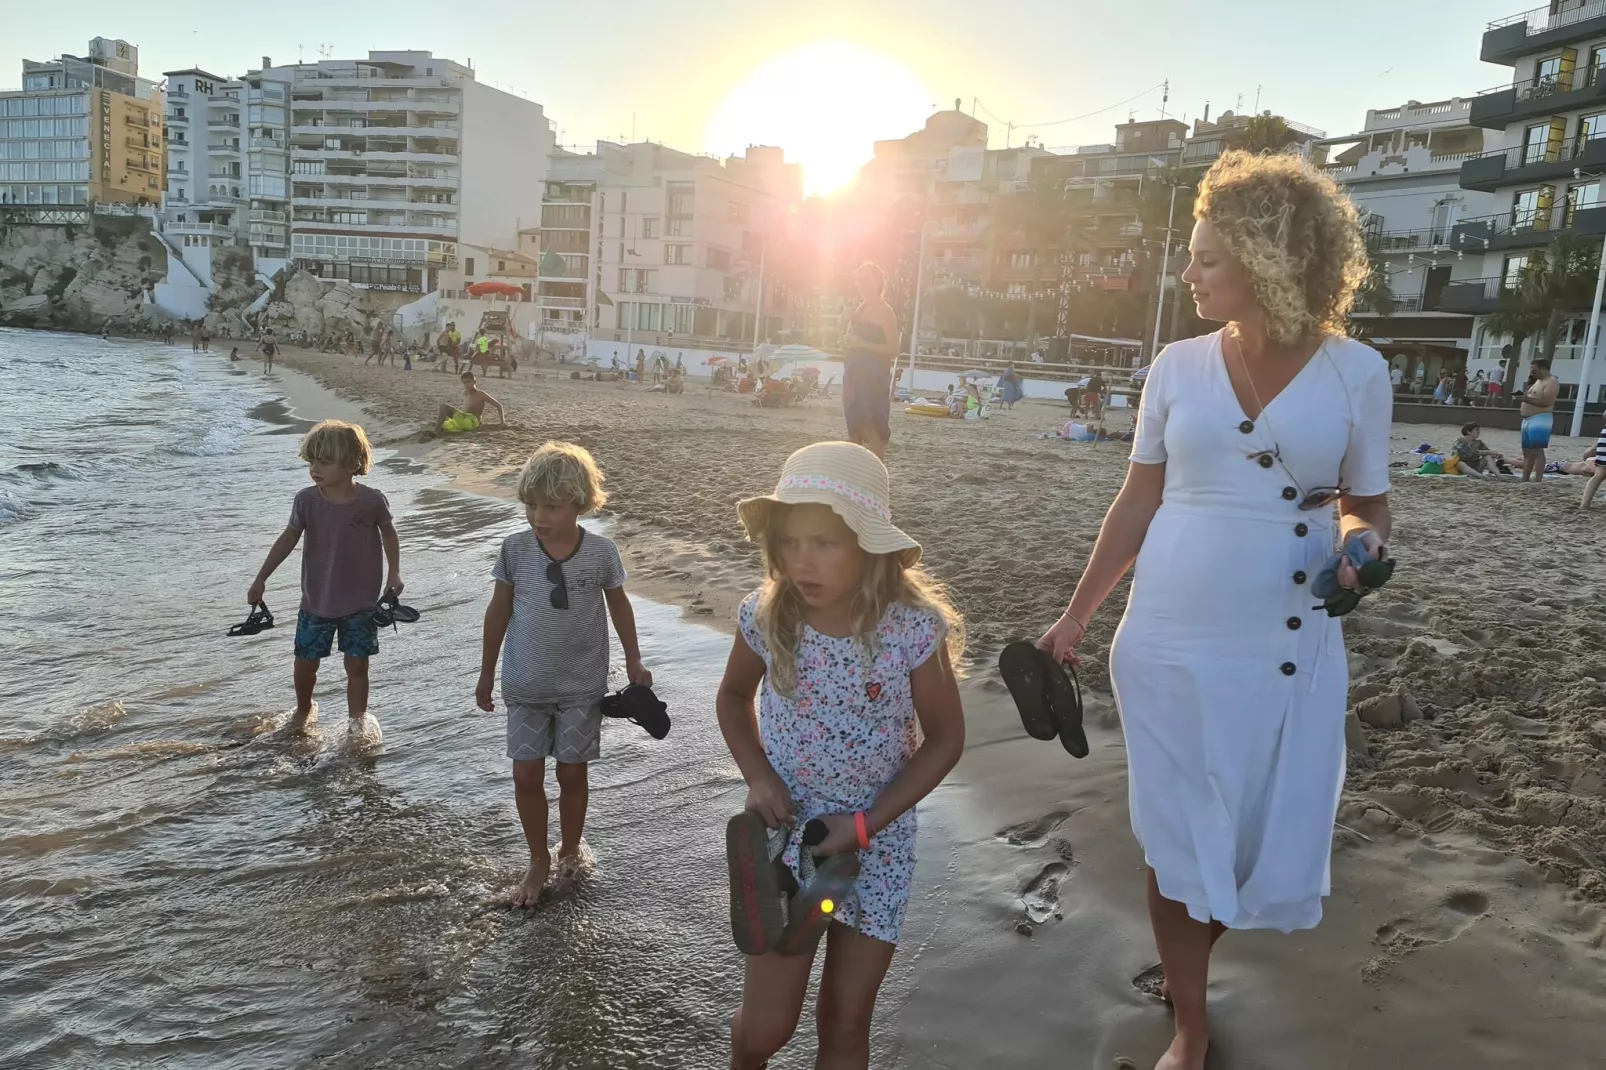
(847, 647)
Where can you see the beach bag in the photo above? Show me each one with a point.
(1432, 465)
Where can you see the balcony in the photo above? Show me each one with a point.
(1562, 22)
(222, 148)
(1412, 241)
(176, 117)
(223, 122)
(429, 107)
(1494, 109)
(394, 230)
(1474, 297)
(260, 216)
(1522, 164)
(267, 144)
(216, 230)
(1526, 230)
(548, 301)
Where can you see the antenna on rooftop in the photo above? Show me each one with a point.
(1166, 99)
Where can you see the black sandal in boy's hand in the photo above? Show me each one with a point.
(390, 612)
(639, 705)
(1047, 695)
(259, 620)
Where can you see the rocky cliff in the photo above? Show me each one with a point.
(84, 278)
(79, 277)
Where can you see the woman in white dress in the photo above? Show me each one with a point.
(1257, 447)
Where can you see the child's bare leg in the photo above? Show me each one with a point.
(574, 793)
(1592, 486)
(855, 966)
(772, 1001)
(529, 793)
(306, 680)
(356, 687)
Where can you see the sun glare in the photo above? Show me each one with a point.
(826, 104)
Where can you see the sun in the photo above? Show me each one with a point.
(826, 104)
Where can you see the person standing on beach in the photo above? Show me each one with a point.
(556, 586)
(869, 346)
(350, 538)
(270, 348)
(847, 648)
(1538, 416)
(1232, 690)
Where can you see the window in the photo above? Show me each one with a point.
(1535, 141)
(1515, 265)
(1597, 61)
(1583, 196)
(677, 254)
(719, 259)
(1525, 210)
(1591, 127)
(649, 227)
(501, 265)
(737, 213)
(1547, 73)
(678, 227)
(468, 265)
(1020, 260)
(733, 288)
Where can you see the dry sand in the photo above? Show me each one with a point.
(1466, 927)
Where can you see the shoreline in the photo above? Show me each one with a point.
(1435, 932)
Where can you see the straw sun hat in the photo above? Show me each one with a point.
(848, 478)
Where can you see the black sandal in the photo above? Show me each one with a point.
(259, 620)
(1047, 694)
(390, 612)
(640, 706)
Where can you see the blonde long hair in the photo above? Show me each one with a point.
(885, 581)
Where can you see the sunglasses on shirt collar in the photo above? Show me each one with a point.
(560, 589)
(1317, 498)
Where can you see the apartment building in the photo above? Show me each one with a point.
(1232, 130)
(228, 165)
(1403, 171)
(1549, 126)
(397, 158)
(660, 243)
(82, 130)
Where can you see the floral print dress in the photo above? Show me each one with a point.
(842, 738)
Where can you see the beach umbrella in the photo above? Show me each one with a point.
(799, 352)
(494, 286)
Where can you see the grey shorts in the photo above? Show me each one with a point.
(570, 733)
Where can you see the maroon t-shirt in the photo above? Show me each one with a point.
(342, 557)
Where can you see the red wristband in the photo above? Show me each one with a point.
(861, 824)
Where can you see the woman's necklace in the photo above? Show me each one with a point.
(1260, 407)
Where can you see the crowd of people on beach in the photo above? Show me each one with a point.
(1266, 441)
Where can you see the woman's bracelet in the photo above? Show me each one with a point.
(1080, 623)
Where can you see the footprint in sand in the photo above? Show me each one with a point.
(1041, 896)
(1446, 920)
(1034, 833)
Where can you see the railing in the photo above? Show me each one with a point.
(550, 301)
(1408, 240)
(1539, 88)
(223, 120)
(1541, 19)
(267, 143)
(259, 216)
(1530, 155)
(1472, 295)
(1443, 107)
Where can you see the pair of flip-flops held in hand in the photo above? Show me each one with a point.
(773, 910)
(388, 612)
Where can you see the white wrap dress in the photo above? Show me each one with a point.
(1232, 686)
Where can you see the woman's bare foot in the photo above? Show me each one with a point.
(1185, 1053)
(529, 890)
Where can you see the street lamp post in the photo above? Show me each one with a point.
(914, 327)
(1165, 268)
(1589, 346)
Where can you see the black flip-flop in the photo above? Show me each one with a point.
(639, 705)
(390, 612)
(1047, 695)
(759, 893)
(259, 620)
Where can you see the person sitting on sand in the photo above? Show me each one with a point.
(1598, 458)
(468, 417)
(556, 585)
(1476, 458)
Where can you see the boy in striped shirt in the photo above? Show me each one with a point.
(556, 586)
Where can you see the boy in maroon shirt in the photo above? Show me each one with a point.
(348, 530)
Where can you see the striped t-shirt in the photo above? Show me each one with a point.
(557, 655)
(1600, 449)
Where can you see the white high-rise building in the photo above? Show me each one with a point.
(228, 166)
(396, 158)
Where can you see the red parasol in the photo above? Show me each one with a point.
(481, 289)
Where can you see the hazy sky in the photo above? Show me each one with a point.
(667, 67)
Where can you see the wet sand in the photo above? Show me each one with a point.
(1466, 927)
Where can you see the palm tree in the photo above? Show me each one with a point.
(1040, 217)
(1376, 294)
(1561, 280)
(1267, 133)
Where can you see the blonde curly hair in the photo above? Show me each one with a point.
(1295, 232)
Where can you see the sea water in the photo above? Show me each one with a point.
(180, 886)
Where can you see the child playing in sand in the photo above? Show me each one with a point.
(546, 619)
(349, 537)
(851, 643)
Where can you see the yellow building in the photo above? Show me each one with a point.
(83, 130)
